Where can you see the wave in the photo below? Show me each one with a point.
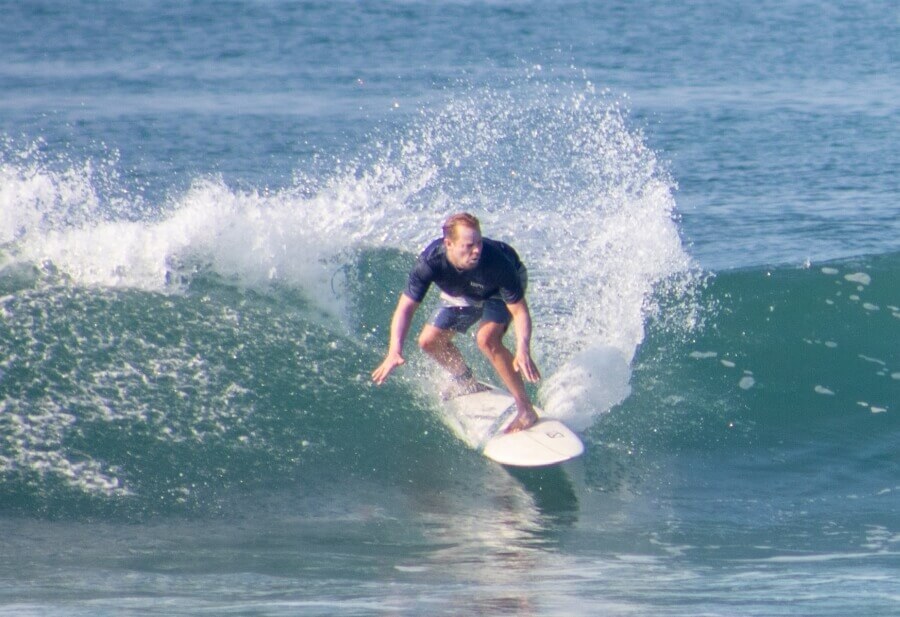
(793, 381)
(158, 351)
(122, 400)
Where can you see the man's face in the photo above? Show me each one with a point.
(464, 251)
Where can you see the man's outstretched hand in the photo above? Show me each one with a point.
(391, 361)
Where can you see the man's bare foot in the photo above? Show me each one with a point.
(522, 421)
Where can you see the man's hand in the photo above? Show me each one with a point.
(525, 366)
(522, 362)
(400, 322)
(391, 361)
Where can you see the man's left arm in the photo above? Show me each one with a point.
(523, 363)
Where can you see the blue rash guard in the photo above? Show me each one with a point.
(499, 272)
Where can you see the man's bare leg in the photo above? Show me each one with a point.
(438, 344)
(490, 342)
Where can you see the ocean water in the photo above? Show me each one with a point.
(207, 210)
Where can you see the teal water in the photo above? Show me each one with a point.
(207, 211)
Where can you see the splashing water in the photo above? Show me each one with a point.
(553, 169)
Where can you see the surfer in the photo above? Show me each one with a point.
(480, 280)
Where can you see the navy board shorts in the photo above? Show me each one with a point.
(461, 318)
(460, 314)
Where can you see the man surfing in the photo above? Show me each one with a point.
(481, 280)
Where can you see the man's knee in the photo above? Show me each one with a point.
(490, 338)
(433, 339)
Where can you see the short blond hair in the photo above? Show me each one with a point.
(463, 219)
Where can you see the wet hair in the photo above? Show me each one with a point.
(462, 218)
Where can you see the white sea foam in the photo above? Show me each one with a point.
(702, 355)
(33, 441)
(595, 379)
(246, 236)
(858, 277)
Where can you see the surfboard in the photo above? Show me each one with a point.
(480, 418)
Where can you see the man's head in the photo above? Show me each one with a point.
(462, 237)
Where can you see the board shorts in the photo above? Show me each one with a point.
(460, 314)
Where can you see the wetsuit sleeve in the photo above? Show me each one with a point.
(420, 278)
(512, 290)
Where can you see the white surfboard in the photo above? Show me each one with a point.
(480, 418)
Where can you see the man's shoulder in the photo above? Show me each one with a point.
(499, 249)
(496, 244)
(434, 249)
(432, 259)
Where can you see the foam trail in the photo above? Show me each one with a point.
(596, 378)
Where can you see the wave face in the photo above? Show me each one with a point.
(784, 405)
(161, 351)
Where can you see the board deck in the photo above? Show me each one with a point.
(480, 418)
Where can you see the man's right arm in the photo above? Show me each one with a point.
(400, 323)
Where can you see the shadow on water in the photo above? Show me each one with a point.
(552, 490)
